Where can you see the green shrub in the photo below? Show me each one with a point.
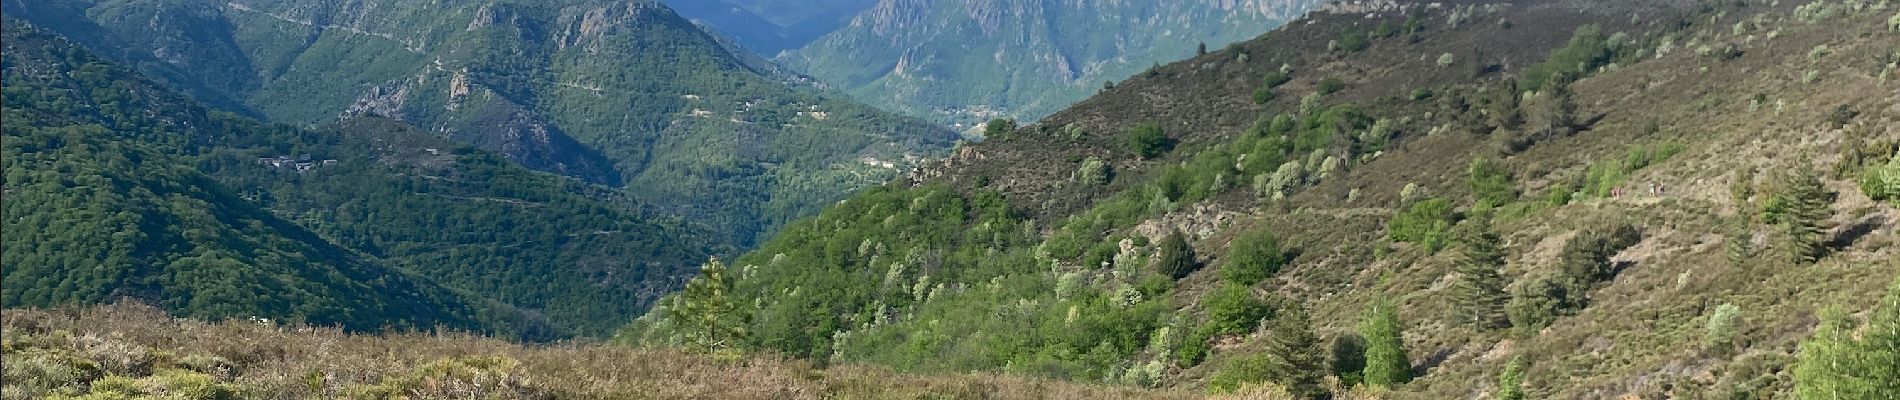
(1423, 223)
(1239, 371)
(1490, 184)
(1146, 140)
(1719, 331)
(1352, 42)
(1093, 172)
(1511, 381)
(1588, 50)
(1535, 305)
(1882, 182)
(999, 127)
(1233, 309)
(1331, 85)
(1253, 257)
(170, 384)
(1176, 258)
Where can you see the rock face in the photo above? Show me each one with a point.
(961, 62)
(594, 89)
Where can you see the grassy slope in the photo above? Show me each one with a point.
(253, 360)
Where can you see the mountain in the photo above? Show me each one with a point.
(96, 213)
(768, 27)
(965, 62)
(617, 92)
(1552, 198)
(380, 223)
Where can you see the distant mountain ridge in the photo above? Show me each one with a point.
(618, 92)
(118, 188)
(963, 62)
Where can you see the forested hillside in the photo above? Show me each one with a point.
(330, 221)
(1539, 199)
(95, 214)
(965, 62)
(622, 93)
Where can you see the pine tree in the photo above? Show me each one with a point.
(1386, 362)
(706, 314)
(1740, 242)
(1479, 294)
(1293, 351)
(1177, 258)
(1800, 210)
(1511, 381)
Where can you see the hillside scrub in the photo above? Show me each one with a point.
(131, 351)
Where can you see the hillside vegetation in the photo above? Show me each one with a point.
(617, 92)
(1607, 199)
(117, 187)
(126, 351)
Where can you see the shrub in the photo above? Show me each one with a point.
(1511, 381)
(1239, 372)
(1719, 332)
(1490, 184)
(1253, 257)
(1177, 257)
(1093, 172)
(1275, 79)
(1882, 182)
(1588, 50)
(1352, 42)
(165, 384)
(1445, 60)
(460, 377)
(999, 127)
(1233, 309)
(1146, 141)
(1424, 223)
(1535, 305)
(1331, 85)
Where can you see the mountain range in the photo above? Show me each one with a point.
(1374, 200)
(619, 93)
(966, 62)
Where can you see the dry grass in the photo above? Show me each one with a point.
(139, 350)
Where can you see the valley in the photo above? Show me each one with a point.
(1532, 199)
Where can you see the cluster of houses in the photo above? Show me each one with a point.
(302, 163)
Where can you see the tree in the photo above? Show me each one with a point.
(1177, 257)
(1835, 365)
(996, 128)
(1386, 362)
(1294, 359)
(706, 314)
(1253, 257)
(1511, 381)
(1479, 294)
(1146, 140)
(1800, 209)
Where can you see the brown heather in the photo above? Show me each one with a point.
(253, 359)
